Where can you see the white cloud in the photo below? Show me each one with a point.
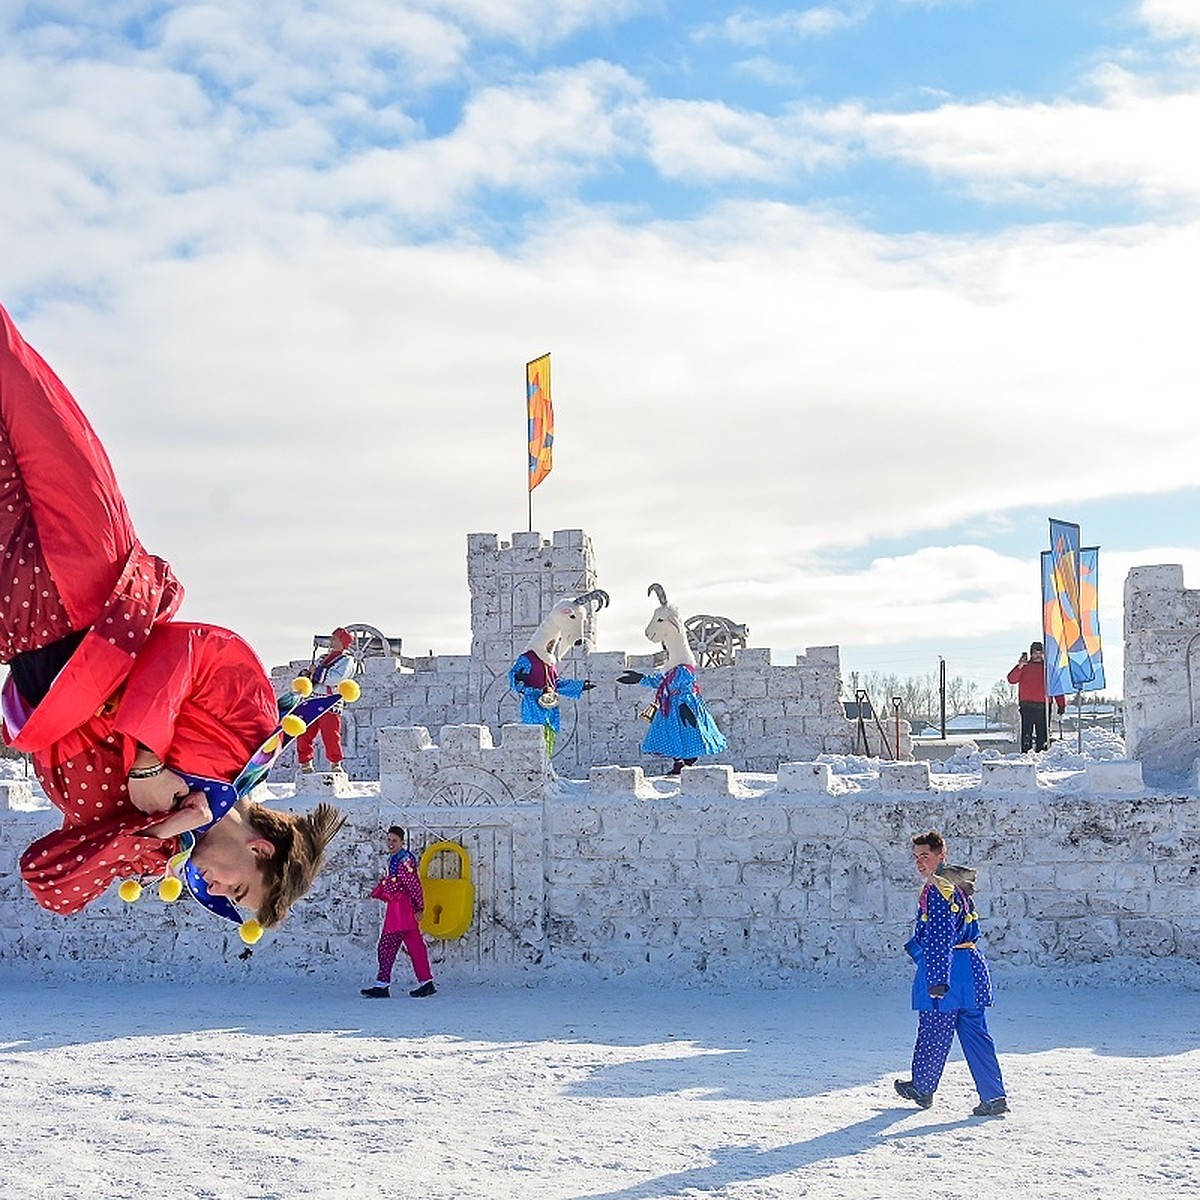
(535, 139)
(1129, 141)
(220, 264)
(1174, 18)
(703, 141)
(751, 28)
(733, 397)
(532, 23)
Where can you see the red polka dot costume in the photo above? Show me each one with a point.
(71, 564)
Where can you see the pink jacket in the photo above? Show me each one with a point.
(400, 889)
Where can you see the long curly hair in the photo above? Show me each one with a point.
(300, 840)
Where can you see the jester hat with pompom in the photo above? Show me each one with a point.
(297, 710)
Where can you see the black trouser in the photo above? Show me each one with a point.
(33, 672)
(1034, 724)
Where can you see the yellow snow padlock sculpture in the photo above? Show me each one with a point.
(449, 903)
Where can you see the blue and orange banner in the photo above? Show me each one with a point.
(1071, 613)
(1089, 614)
(540, 411)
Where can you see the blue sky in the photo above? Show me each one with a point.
(845, 300)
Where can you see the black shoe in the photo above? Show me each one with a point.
(376, 993)
(990, 1108)
(905, 1088)
(426, 989)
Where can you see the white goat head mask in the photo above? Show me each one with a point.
(564, 622)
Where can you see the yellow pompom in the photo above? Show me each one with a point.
(129, 890)
(271, 744)
(349, 690)
(170, 890)
(293, 725)
(302, 686)
(251, 931)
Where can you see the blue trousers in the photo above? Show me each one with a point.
(935, 1033)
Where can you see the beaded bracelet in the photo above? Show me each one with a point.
(146, 772)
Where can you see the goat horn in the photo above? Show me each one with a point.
(657, 588)
(597, 594)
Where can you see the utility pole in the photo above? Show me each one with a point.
(942, 691)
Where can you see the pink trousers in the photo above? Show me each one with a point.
(414, 943)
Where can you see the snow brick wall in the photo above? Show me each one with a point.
(713, 875)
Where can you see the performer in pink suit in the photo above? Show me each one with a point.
(400, 889)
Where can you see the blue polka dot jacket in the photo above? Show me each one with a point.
(951, 974)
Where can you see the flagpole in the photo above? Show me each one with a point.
(528, 476)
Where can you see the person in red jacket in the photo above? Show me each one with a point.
(1030, 677)
(400, 889)
(145, 732)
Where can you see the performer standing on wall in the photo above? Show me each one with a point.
(681, 726)
(1030, 677)
(335, 666)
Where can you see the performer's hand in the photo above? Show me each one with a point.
(192, 813)
(937, 991)
(159, 793)
(630, 677)
(687, 716)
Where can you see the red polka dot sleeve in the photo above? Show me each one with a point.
(69, 868)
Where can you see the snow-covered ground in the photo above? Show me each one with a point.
(579, 1090)
(602, 1092)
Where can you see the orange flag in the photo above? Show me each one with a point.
(541, 419)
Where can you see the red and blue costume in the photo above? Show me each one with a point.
(531, 677)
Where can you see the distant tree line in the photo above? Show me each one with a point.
(919, 694)
(920, 698)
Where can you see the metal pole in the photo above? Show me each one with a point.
(942, 691)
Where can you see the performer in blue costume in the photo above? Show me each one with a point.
(952, 985)
(534, 676)
(682, 728)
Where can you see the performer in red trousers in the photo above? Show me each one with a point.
(145, 732)
(335, 667)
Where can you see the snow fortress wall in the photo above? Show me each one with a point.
(714, 875)
(770, 713)
(1162, 672)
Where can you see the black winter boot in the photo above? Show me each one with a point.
(907, 1089)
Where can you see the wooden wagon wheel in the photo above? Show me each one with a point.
(711, 639)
